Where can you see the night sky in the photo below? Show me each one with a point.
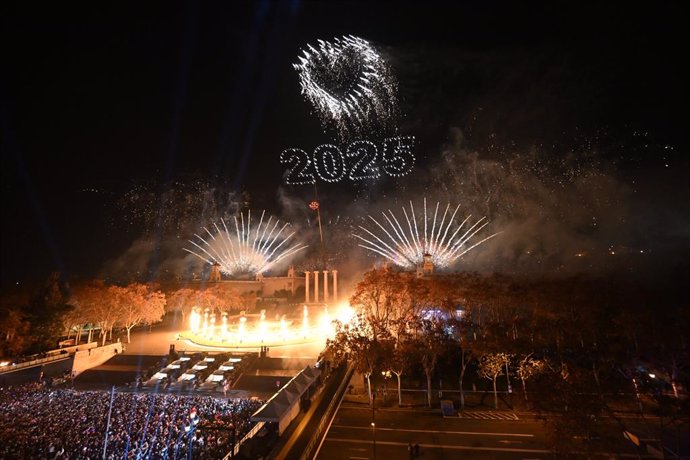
(101, 100)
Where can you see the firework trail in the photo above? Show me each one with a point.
(348, 83)
(407, 244)
(247, 249)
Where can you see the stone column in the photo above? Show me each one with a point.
(316, 286)
(325, 286)
(335, 285)
(306, 287)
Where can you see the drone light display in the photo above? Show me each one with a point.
(362, 160)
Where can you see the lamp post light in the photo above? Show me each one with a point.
(510, 388)
(386, 375)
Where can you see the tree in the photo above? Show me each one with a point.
(384, 297)
(13, 326)
(45, 313)
(84, 299)
(229, 300)
(529, 367)
(247, 301)
(430, 342)
(101, 303)
(490, 367)
(75, 319)
(462, 328)
(138, 304)
(398, 363)
(185, 299)
(10, 323)
(572, 417)
(181, 301)
(108, 310)
(397, 352)
(93, 301)
(466, 358)
(356, 341)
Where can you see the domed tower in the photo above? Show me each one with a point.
(214, 277)
(291, 279)
(426, 268)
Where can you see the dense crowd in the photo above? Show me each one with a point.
(40, 423)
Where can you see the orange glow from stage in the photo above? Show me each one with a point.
(314, 324)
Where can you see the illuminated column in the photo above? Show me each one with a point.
(325, 285)
(306, 287)
(335, 285)
(316, 287)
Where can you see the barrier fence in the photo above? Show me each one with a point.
(236, 450)
(35, 362)
(328, 415)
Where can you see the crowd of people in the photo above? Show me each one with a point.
(44, 423)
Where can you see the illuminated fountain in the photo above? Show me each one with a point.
(262, 326)
(242, 328)
(305, 322)
(194, 321)
(283, 328)
(255, 330)
(326, 323)
(224, 326)
(204, 327)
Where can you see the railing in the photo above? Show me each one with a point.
(248, 436)
(328, 415)
(35, 362)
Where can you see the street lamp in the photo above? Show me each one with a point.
(386, 375)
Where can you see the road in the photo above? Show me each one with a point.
(479, 435)
(351, 436)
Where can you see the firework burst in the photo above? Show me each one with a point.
(440, 237)
(247, 249)
(348, 83)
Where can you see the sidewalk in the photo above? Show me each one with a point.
(621, 405)
(477, 400)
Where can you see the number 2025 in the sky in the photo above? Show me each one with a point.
(361, 160)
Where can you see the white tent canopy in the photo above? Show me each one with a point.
(284, 406)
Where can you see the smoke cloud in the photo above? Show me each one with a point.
(527, 148)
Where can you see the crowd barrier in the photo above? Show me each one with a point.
(247, 437)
